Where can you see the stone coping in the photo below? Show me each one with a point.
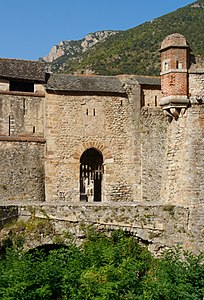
(93, 204)
(16, 138)
(18, 93)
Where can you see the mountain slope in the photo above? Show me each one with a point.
(72, 49)
(135, 51)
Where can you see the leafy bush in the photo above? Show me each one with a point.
(104, 268)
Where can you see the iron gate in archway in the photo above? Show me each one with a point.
(91, 175)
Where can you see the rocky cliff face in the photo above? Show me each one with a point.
(197, 4)
(73, 48)
(93, 38)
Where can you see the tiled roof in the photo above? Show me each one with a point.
(22, 69)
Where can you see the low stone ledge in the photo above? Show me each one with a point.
(29, 94)
(16, 138)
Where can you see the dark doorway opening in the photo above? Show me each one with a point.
(91, 173)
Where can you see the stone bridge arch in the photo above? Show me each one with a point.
(46, 248)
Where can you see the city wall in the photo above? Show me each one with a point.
(149, 141)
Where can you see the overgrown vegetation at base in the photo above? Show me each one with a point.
(103, 268)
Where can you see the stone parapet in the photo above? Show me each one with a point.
(158, 226)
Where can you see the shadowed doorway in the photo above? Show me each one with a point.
(91, 173)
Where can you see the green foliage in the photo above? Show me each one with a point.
(135, 51)
(178, 275)
(104, 268)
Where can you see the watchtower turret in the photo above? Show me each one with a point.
(174, 74)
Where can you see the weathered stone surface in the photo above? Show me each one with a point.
(153, 126)
(21, 115)
(21, 171)
(100, 122)
(183, 165)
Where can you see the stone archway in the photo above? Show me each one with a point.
(91, 175)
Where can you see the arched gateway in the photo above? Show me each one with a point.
(91, 173)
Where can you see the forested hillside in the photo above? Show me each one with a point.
(135, 51)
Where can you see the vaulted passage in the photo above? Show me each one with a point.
(91, 173)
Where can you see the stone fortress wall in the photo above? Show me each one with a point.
(116, 152)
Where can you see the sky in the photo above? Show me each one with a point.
(29, 28)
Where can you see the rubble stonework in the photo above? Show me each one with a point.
(115, 152)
